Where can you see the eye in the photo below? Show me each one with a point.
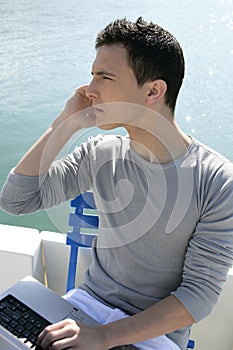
(106, 78)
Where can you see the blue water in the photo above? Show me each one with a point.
(47, 48)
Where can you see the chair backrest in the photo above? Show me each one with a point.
(81, 220)
(85, 223)
(191, 344)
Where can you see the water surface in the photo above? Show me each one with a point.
(47, 48)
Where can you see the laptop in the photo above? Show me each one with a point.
(28, 307)
(7, 342)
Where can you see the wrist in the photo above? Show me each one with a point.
(58, 121)
(67, 125)
(110, 336)
(106, 337)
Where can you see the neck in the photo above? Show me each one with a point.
(159, 140)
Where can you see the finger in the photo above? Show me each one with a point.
(48, 339)
(63, 329)
(48, 329)
(82, 90)
(66, 343)
(85, 88)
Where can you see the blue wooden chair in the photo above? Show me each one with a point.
(191, 344)
(82, 222)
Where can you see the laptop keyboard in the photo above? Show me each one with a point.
(21, 321)
(26, 324)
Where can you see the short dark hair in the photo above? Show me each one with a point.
(153, 53)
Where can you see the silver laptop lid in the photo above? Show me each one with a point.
(45, 302)
(41, 299)
(9, 342)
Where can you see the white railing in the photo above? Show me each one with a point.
(45, 256)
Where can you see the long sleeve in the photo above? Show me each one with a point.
(65, 179)
(210, 252)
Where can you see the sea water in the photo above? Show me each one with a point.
(47, 48)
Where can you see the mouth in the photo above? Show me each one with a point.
(99, 113)
(97, 109)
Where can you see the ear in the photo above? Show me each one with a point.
(156, 90)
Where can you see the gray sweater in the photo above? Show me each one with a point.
(164, 229)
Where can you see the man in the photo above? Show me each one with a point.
(165, 239)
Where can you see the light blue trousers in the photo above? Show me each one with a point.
(104, 314)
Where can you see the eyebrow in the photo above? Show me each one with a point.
(102, 72)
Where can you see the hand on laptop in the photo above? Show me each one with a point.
(67, 334)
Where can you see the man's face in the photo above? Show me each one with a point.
(114, 81)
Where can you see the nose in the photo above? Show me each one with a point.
(91, 91)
